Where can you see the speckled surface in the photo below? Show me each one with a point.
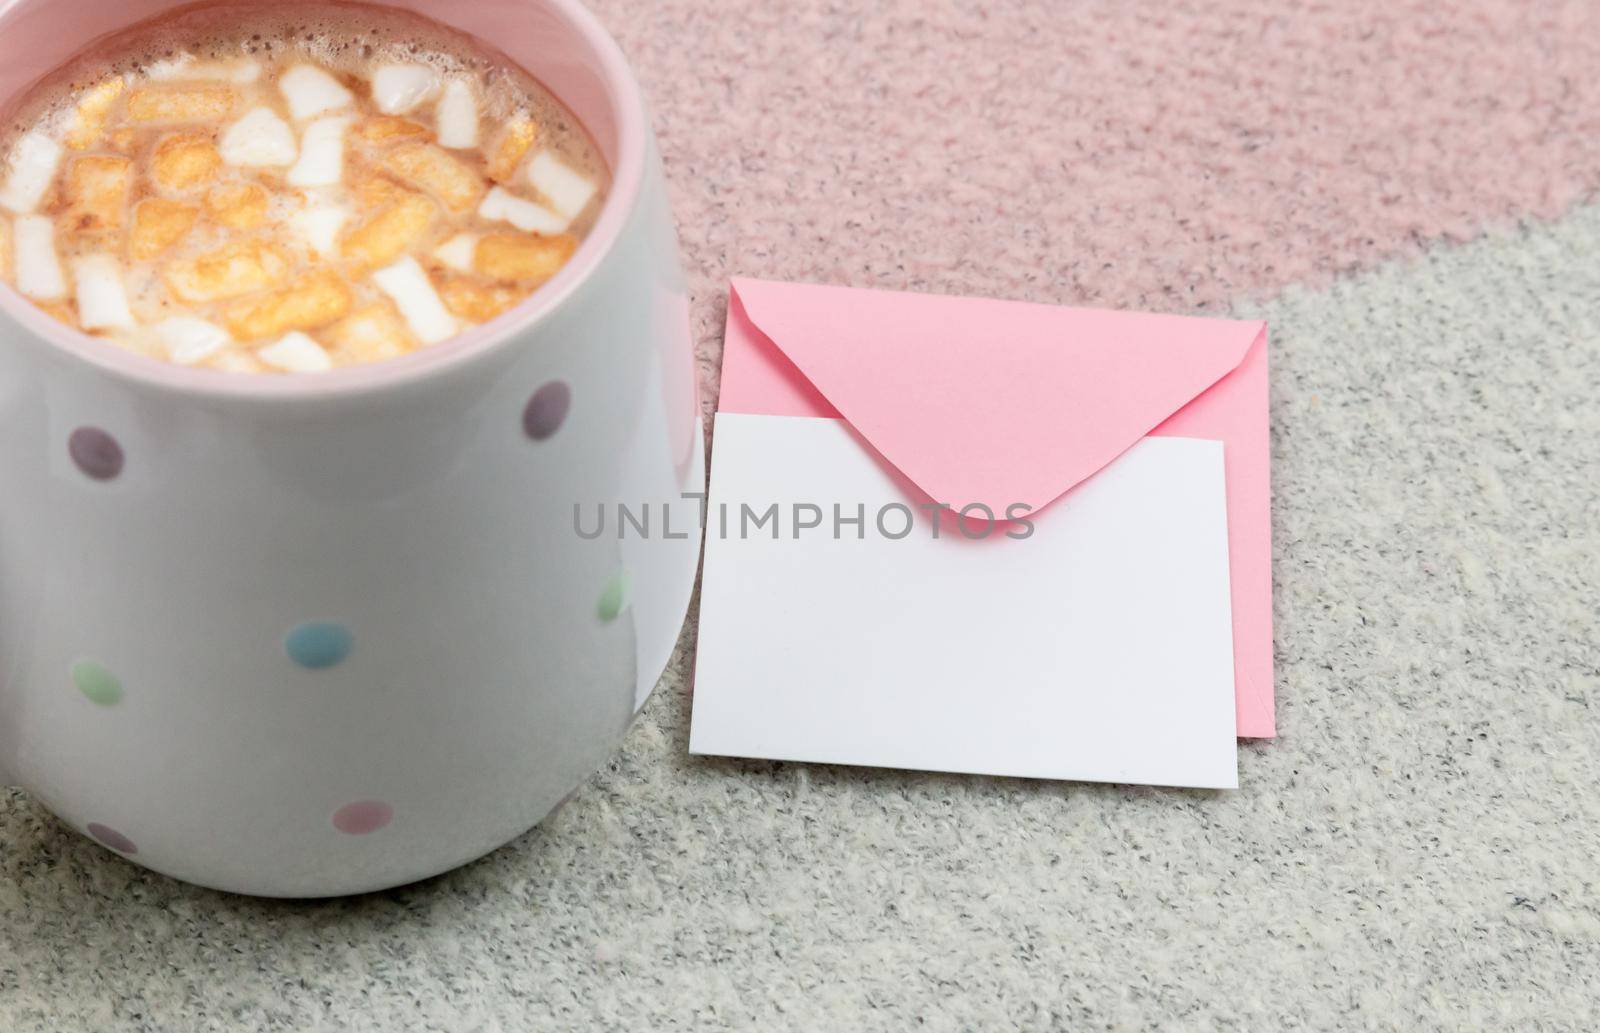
(1417, 851)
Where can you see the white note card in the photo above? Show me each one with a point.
(1097, 648)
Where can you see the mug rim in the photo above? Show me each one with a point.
(627, 178)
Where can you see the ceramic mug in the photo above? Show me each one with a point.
(321, 634)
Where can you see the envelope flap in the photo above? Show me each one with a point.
(994, 402)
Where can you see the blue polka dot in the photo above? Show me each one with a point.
(318, 644)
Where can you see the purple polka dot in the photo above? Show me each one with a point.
(96, 453)
(546, 410)
(112, 838)
(362, 817)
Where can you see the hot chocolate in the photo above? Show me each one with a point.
(289, 189)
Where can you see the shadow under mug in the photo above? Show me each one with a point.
(316, 635)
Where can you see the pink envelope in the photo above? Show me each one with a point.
(1001, 402)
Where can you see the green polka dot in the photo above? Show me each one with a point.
(97, 683)
(615, 597)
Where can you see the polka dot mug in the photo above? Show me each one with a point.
(321, 634)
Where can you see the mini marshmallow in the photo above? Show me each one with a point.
(319, 224)
(311, 91)
(241, 266)
(295, 352)
(397, 89)
(94, 108)
(38, 269)
(567, 189)
(321, 154)
(239, 206)
(501, 204)
(171, 68)
(390, 233)
(181, 102)
(436, 171)
(457, 116)
(258, 140)
(514, 142)
(243, 71)
(188, 340)
(102, 299)
(313, 300)
(418, 302)
(33, 166)
(457, 253)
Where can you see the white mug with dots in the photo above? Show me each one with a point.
(324, 633)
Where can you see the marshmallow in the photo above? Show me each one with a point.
(522, 256)
(184, 160)
(418, 302)
(242, 71)
(567, 189)
(184, 102)
(240, 267)
(311, 91)
(457, 116)
(38, 269)
(95, 192)
(390, 233)
(507, 154)
(437, 171)
(319, 224)
(294, 352)
(33, 166)
(188, 340)
(321, 154)
(258, 140)
(312, 301)
(171, 68)
(502, 205)
(457, 252)
(476, 302)
(368, 335)
(94, 107)
(239, 206)
(397, 89)
(102, 299)
(158, 224)
(388, 128)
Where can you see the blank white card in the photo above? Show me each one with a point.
(1098, 648)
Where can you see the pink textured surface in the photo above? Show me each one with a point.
(1168, 155)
